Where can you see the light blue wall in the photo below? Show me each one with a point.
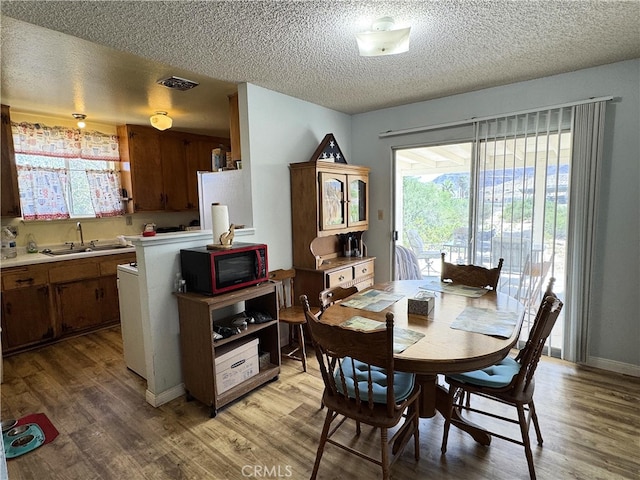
(614, 334)
(278, 130)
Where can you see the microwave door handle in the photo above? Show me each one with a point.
(257, 252)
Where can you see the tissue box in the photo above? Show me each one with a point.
(422, 303)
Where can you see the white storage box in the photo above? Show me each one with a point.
(237, 364)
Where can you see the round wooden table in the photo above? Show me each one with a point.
(442, 349)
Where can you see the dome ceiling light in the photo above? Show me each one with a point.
(80, 118)
(161, 120)
(382, 40)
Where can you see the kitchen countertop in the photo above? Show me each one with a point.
(24, 258)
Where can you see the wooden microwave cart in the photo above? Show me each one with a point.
(198, 348)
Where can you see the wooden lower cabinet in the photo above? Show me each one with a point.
(42, 303)
(198, 315)
(341, 271)
(87, 304)
(26, 317)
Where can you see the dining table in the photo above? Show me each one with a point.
(440, 342)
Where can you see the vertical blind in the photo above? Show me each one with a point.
(519, 207)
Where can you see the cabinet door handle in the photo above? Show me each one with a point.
(25, 280)
(97, 292)
(341, 277)
(8, 308)
(364, 270)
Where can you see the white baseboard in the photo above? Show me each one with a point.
(164, 397)
(613, 366)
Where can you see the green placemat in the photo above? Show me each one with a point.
(464, 290)
(372, 300)
(402, 337)
(486, 321)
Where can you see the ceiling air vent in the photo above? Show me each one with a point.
(178, 83)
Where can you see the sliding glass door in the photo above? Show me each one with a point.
(503, 194)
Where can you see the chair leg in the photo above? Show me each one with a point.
(416, 432)
(303, 350)
(298, 331)
(536, 425)
(524, 428)
(323, 441)
(384, 453)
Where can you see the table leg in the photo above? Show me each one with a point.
(427, 401)
(478, 433)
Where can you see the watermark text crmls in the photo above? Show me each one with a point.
(267, 471)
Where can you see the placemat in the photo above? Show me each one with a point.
(372, 300)
(402, 337)
(486, 321)
(454, 289)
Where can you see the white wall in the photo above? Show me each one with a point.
(615, 301)
(278, 130)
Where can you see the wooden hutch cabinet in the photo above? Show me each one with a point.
(329, 203)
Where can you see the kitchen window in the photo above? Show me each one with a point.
(66, 173)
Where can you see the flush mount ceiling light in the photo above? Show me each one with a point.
(178, 83)
(161, 120)
(80, 118)
(382, 39)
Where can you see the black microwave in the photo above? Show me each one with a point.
(220, 270)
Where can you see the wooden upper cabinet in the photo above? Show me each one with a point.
(10, 200)
(234, 127)
(174, 172)
(327, 199)
(198, 159)
(163, 166)
(140, 146)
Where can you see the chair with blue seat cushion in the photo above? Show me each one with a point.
(361, 385)
(510, 382)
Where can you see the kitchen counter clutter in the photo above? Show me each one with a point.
(46, 298)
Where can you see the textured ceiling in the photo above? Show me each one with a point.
(303, 49)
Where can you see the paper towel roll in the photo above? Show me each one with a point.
(219, 221)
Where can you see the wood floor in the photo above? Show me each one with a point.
(590, 421)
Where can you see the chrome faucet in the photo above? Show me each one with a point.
(79, 228)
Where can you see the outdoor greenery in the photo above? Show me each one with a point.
(436, 210)
(433, 211)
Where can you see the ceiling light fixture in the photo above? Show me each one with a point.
(161, 120)
(382, 40)
(80, 118)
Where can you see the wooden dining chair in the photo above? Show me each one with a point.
(509, 382)
(531, 281)
(330, 296)
(471, 275)
(292, 315)
(360, 384)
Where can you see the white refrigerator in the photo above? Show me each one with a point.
(226, 188)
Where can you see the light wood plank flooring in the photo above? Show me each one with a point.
(590, 421)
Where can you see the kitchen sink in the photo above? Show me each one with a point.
(84, 249)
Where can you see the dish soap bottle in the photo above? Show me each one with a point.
(32, 246)
(8, 244)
